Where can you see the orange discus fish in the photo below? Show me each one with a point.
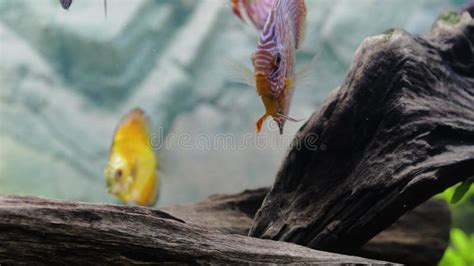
(257, 10)
(274, 59)
(130, 173)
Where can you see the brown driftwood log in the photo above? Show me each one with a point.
(398, 130)
(418, 238)
(41, 231)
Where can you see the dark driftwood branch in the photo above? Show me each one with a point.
(228, 213)
(41, 231)
(418, 238)
(398, 130)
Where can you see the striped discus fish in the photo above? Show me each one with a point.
(274, 59)
(257, 10)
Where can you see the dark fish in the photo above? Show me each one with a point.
(65, 3)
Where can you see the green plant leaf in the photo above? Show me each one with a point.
(451, 258)
(451, 18)
(461, 243)
(461, 190)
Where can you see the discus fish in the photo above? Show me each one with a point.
(130, 173)
(274, 60)
(257, 10)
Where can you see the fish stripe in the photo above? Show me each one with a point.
(282, 34)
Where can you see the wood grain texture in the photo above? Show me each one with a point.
(419, 237)
(399, 130)
(228, 213)
(41, 231)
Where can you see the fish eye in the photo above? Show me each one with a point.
(118, 173)
(277, 59)
(276, 65)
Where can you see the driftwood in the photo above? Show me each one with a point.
(40, 231)
(228, 213)
(418, 238)
(398, 130)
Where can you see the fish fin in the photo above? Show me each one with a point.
(290, 31)
(259, 123)
(258, 11)
(236, 9)
(239, 73)
(135, 117)
(65, 3)
(304, 76)
(300, 20)
(255, 11)
(290, 118)
(295, 11)
(135, 113)
(301, 25)
(138, 115)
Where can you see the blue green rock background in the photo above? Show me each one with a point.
(67, 77)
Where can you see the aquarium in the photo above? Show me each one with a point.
(161, 88)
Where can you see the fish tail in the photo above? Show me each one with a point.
(259, 123)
